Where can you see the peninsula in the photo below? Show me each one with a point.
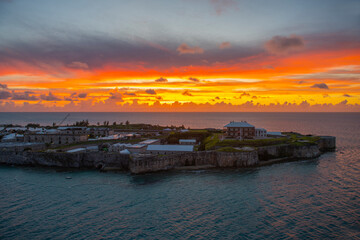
(143, 148)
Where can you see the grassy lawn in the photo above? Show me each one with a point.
(230, 149)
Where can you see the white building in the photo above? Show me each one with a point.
(260, 132)
(169, 149)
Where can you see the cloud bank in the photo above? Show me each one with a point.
(280, 45)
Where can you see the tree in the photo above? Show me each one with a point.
(127, 122)
(114, 123)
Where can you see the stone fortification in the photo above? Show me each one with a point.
(153, 163)
(145, 164)
(99, 160)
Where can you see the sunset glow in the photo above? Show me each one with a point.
(179, 56)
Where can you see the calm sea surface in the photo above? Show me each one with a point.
(316, 199)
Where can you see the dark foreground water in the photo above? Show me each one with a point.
(317, 199)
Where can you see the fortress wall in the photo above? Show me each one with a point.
(69, 160)
(213, 158)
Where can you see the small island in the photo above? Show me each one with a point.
(143, 148)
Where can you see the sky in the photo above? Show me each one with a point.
(180, 55)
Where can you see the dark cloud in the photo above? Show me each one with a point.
(254, 97)
(115, 96)
(161, 80)
(347, 95)
(78, 65)
(3, 86)
(5, 94)
(186, 49)
(82, 95)
(129, 94)
(284, 45)
(344, 102)
(326, 95)
(150, 91)
(224, 45)
(23, 96)
(194, 79)
(97, 52)
(49, 97)
(320, 85)
(245, 94)
(187, 93)
(217, 98)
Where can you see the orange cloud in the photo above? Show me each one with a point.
(224, 45)
(186, 49)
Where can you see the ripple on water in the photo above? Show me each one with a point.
(312, 199)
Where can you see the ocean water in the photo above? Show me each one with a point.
(309, 199)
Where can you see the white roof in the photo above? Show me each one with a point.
(188, 140)
(125, 151)
(71, 127)
(149, 141)
(263, 129)
(16, 128)
(76, 150)
(137, 146)
(9, 136)
(238, 124)
(274, 133)
(184, 130)
(171, 148)
(35, 129)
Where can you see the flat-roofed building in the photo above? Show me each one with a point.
(73, 130)
(275, 134)
(137, 148)
(169, 149)
(55, 138)
(150, 141)
(187, 141)
(240, 130)
(260, 132)
(100, 132)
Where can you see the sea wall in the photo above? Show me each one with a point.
(327, 143)
(99, 160)
(153, 163)
(206, 158)
(288, 151)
